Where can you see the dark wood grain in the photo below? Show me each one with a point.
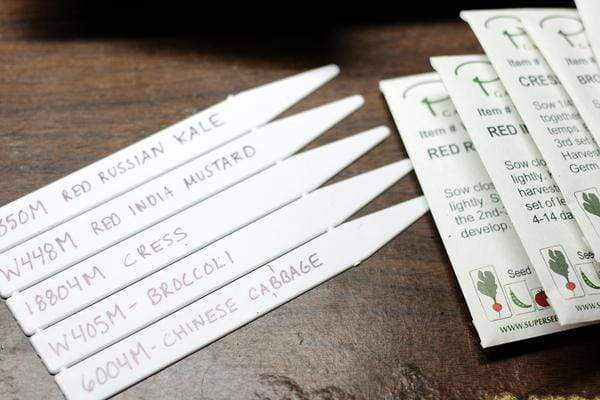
(396, 327)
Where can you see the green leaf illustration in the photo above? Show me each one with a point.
(558, 263)
(591, 203)
(487, 284)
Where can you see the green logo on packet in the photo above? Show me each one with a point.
(516, 35)
(429, 103)
(569, 36)
(481, 82)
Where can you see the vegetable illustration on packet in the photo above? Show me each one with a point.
(487, 286)
(565, 279)
(591, 203)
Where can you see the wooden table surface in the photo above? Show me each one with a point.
(396, 327)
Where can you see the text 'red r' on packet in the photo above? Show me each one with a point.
(489, 261)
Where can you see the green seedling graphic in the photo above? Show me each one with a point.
(558, 265)
(588, 282)
(517, 301)
(488, 287)
(591, 203)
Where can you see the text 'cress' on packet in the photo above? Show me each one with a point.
(503, 294)
(551, 237)
(555, 125)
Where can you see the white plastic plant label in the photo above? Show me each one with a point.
(489, 261)
(131, 309)
(554, 123)
(153, 156)
(167, 195)
(182, 234)
(552, 239)
(210, 318)
(589, 10)
(560, 36)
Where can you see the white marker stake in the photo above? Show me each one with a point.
(153, 156)
(589, 10)
(193, 277)
(554, 123)
(97, 277)
(242, 301)
(489, 261)
(560, 36)
(148, 204)
(532, 198)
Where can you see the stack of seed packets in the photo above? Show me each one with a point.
(520, 217)
(130, 264)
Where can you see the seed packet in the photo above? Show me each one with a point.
(551, 237)
(560, 36)
(554, 123)
(589, 10)
(504, 297)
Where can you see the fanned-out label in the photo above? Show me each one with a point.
(502, 292)
(151, 157)
(208, 319)
(208, 269)
(169, 194)
(182, 234)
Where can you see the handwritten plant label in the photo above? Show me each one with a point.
(482, 245)
(208, 319)
(176, 237)
(152, 157)
(521, 297)
(553, 122)
(152, 202)
(208, 269)
(533, 200)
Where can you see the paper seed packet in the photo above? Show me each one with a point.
(551, 237)
(554, 123)
(560, 36)
(503, 294)
(589, 10)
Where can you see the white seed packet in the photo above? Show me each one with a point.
(489, 261)
(560, 36)
(554, 123)
(589, 10)
(551, 237)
